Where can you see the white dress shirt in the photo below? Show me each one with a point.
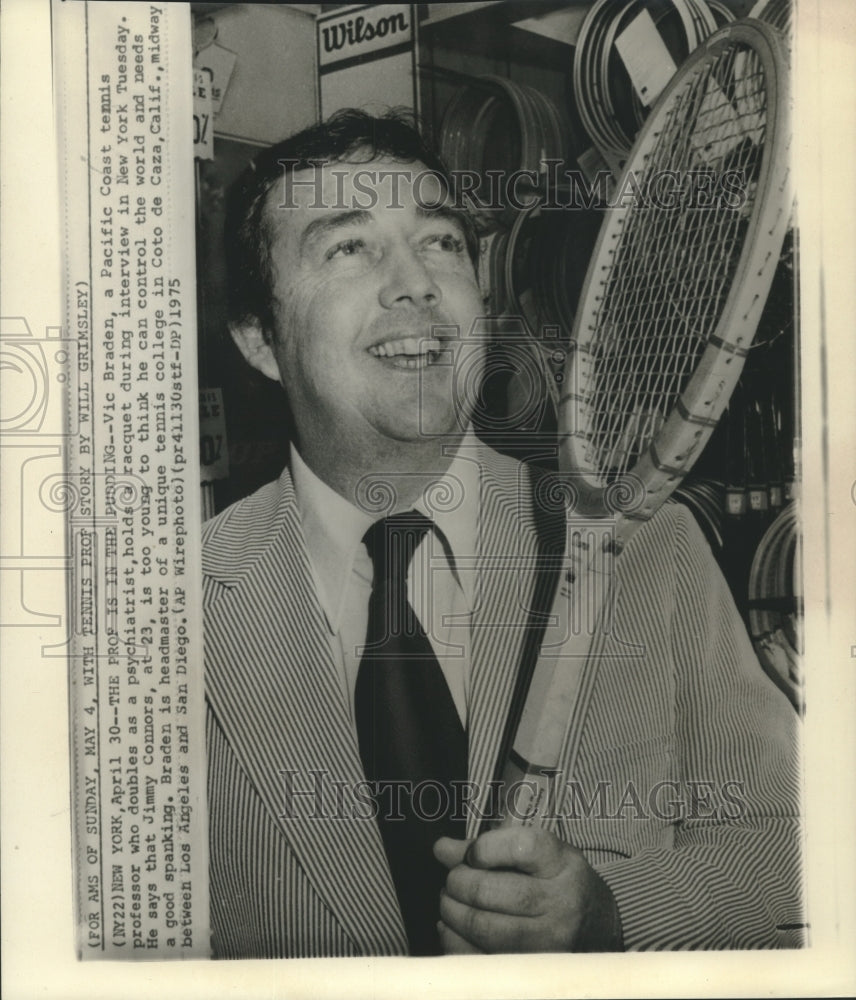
(439, 581)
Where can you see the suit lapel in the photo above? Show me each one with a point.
(274, 688)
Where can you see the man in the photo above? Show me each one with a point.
(353, 284)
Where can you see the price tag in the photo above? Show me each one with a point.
(758, 500)
(213, 450)
(218, 63)
(203, 115)
(735, 502)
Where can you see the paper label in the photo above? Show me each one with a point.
(645, 57)
(123, 77)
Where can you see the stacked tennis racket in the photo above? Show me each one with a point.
(668, 311)
(538, 272)
(705, 498)
(608, 104)
(498, 125)
(775, 12)
(776, 604)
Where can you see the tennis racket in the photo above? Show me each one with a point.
(670, 305)
(776, 604)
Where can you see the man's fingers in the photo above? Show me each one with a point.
(450, 852)
(488, 931)
(523, 849)
(453, 944)
(499, 891)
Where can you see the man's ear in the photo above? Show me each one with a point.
(252, 343)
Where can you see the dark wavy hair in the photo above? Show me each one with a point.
(349, 136)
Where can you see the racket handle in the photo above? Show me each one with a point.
(527, 795)
(539, 723)
(531, 770)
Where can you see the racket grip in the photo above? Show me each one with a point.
(531, 775)
(527, 795)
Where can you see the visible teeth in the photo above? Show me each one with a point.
(409, 346)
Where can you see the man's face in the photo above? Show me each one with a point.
(363, 277)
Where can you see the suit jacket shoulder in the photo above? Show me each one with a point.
(234, 540)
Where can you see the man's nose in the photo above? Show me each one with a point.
(408, 280)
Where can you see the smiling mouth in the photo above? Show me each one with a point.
(409, 352)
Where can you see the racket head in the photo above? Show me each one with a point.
(673, 296)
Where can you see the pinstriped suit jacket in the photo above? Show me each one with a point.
(685, 789)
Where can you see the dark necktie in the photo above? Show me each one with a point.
(412, 743)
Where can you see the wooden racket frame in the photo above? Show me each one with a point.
(704, 398)
(548, 704)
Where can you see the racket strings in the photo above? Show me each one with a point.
(672, 270)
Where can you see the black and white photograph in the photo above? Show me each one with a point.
(428, 476)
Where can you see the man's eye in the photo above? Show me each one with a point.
(345, 249)
(447, 242)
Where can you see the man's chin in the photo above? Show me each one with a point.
(426, 428)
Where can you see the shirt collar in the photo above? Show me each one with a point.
(333, 528)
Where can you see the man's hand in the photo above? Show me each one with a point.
(523, 889)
